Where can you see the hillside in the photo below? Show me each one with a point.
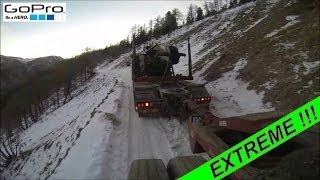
(278, 43)
(13, 69)
(258, 57)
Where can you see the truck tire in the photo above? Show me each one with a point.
(145, 169)
(179, 166)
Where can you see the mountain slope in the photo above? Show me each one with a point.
(13, 69)
(279, 41)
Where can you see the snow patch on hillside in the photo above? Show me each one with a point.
(255, 23)
(293, 19)
(230, 96)
(309, 66)
(286, 46)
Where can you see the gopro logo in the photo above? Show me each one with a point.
(34, 12)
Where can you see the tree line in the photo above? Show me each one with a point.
(174, 19)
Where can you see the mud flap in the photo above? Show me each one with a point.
(145, 169)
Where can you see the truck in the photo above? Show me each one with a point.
(158, 91)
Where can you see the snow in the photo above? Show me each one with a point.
(309, 66)
(304, 55)
(269, 85)
(58, 134)
(273, 33)
(286, 46)
(293, 19)
(296, 68)
(290, 3)
(248, 11)
(255, 23)
(268, 7)
(198, 75)
(89, 149)
(231, 96)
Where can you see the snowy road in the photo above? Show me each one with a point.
(97, 134)
(140, 138)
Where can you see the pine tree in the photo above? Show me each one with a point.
(206, 8)
(178, 15)
(195, 9)
(190, 15)
(213, 6)
(150, 32)
(170, 23)
(157, 27)
(199, 14)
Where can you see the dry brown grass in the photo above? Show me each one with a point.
(268, 60)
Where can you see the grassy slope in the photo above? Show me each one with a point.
(270, 60)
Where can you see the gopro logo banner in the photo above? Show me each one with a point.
(34, 12)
